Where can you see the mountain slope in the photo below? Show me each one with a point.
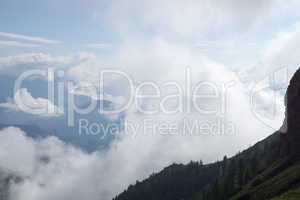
(268, 170)
(219, 180)
(280, 177)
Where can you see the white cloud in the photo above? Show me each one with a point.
(17, 153)
(28, 61)
(233, 25)
(282, 50)
(140, 153)
(39, 40)
(72, 174)
(90, 90)
(23, 101)
(278, 59)
(5, 44)
(50, 169)
(99, 45)
(186, 18)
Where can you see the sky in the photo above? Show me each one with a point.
(242, 51)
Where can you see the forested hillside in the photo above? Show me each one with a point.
(218, 181)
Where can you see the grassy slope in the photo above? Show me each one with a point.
(293, 194)
(273, 182)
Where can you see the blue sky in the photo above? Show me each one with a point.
(69, 21)
(74, 23)
(79, 23)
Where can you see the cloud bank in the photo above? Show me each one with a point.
(60, 171)
(24, 102)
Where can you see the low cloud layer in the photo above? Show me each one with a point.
(23, 101)
(55, 170)
(17, 64)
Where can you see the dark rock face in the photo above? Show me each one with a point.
(292, 118)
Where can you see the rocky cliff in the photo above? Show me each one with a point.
(291, 126)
